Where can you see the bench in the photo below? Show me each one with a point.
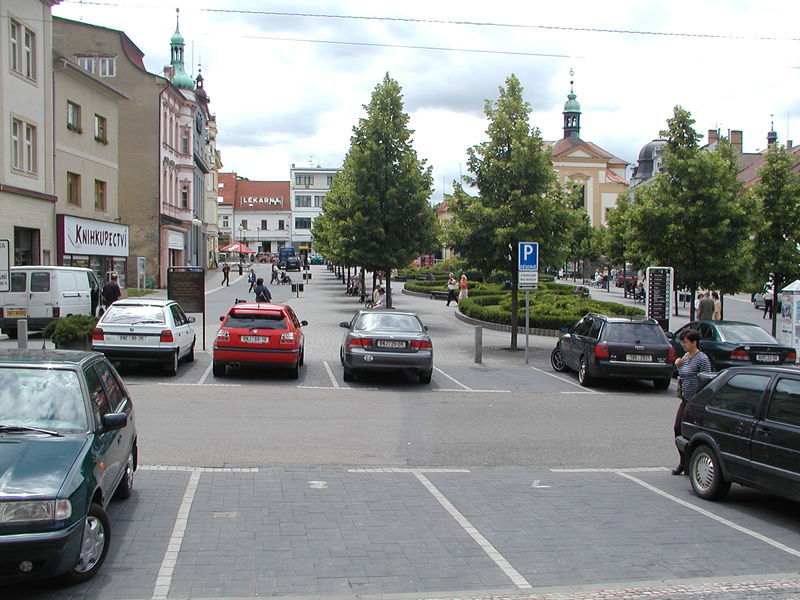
(438, 295)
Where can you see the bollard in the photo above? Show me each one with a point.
(22, 334)
(479, 345)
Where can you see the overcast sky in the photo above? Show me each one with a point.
(296, 99)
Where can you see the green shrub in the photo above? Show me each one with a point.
(71, 327)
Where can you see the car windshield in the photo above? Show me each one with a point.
(635, 332)
(45, 398)
(388, 322)
(742, 334)
(130, 314)
(256, 320)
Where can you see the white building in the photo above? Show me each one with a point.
(309, 186)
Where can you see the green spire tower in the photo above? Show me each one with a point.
(179, 77)
(572, 113)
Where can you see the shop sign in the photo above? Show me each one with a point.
(94, 238)
(175, 240)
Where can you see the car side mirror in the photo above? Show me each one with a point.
(670, 335)
(425, 327)
(112, 421)
(303, 323)
(191, 319)
(344, 324)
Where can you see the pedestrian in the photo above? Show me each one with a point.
(241, 268)
(376, 293)
(694, 361)
(275, 278)
(769, 298)
(380, 300)
(452, 286)
(717, 307)
(251, 278)
(262, 293)
(705, 308)
(463, 287)
(111, 292)
(226, 274)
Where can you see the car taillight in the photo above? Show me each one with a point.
(56, 312)
(223, 335)
(791, 357)
(363, 342)
(739, 355)
(97, 334)
(671, 354)
(419, 344)
(287, 337)
(601, 351)
(166, 336)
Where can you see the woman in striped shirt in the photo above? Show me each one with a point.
(689, 365)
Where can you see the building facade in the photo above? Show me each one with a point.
(27, 169)
(260, 212)
(309, 187)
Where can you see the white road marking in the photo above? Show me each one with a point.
(203, 384)
(610, 470)
(406, 470)
(317, 485)
(470, 391)
(717, 518)
(536, 484)
(584, 390)
(330, 374)
(206, 372)
(485, 545)
(198, 469)
(164, 578)
(453, 379)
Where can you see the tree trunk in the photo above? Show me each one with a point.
(692, 302)
(387, 274)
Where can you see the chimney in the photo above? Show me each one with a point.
(736, 140)
(713, 136)
(169, 71)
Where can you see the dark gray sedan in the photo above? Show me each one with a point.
(386, 340)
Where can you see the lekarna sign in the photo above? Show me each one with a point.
(528, 265)
(5, 273)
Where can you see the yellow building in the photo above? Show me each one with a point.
(600, 174)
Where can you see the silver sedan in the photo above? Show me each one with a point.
(386, 340)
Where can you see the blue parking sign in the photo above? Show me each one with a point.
(528, 256)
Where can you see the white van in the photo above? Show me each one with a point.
(41, 294)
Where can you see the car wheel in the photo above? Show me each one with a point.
(190, 356)
(583, 373)
(706, 475)
(171, 366)
(125, 487)
(94, 546)
(11, 333)
(426, 376)
(294, 372)
(348, 375)
(218, 369)
(557, 360)
(662, 384)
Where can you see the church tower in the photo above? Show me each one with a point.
(179, 77)
(572, 113)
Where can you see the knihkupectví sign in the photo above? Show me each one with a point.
(528, 265)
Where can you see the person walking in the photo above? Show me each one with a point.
(251, 279)
(241, 267)
(226, 274)
(717, 316)
(262, 293)
(452, 286)
(275, 278)
(769, 298)
(111, 292)
(463, 287)
(694, 361)
(705, 308)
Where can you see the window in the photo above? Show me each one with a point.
(86, 62)
(330, 180)
(741, 394)
(304, 179)
(281, 224)
(594, 332)
(100, 129)
(243, 224)
(184, 196)
(302, 223)
(184, 142)
(113, 389)
(225, 222)
(178, 315)
(785, 404)
(40, 281)
(73, 117)
(318, 200)
(73, 189)
(23, 146)
(98, 394)
(108, 67)
(264, 224)
(19, 282)
(29, 55)
(99, 195)
(583, 327)
(14, 35)
(23, 49)
(302, 201)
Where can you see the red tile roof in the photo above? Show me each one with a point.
(611, 176)
(262, 195)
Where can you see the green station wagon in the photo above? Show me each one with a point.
(67, 446)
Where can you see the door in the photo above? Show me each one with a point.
(776, 440)
(184, 332)
(16, 299)
(584, 339)
(41, 295)
(106, 444)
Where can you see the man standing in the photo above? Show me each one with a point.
(706, 308)
(251, 278)
(226, 274)
(111, 291)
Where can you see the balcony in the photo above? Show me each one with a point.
(182, 214)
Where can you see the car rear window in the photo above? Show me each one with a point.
(386, 322)
(133, 314)
(635, 332)
(741, 334)
(44, 398)
(256, 320)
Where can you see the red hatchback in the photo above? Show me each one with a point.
(259, 335)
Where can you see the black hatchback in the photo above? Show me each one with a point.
(603, 346)
(744, 427)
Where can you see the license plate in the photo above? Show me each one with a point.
(638, 358)
(255, 339)
(16, 313)
(768, 358)
(131, 338)
(390, 344)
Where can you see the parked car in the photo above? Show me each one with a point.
(582, 291)
(744, 427)
(603, 346)
(259, 335)
(317, 259)
(386, 340)
(70, 445)
(735, 344)
(293, 263)
(146, 330)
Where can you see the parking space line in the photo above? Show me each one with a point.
(514, 575)
(202, 384)
(583, 389)
(453, 379)
(330, 374)
(206, 373)
(164, 578)
(710, 515)
(407, 470)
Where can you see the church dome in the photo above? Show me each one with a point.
(572, 105)
(650, 149)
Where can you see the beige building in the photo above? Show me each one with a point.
(598, 174)
(27, 185)
(212, 185)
